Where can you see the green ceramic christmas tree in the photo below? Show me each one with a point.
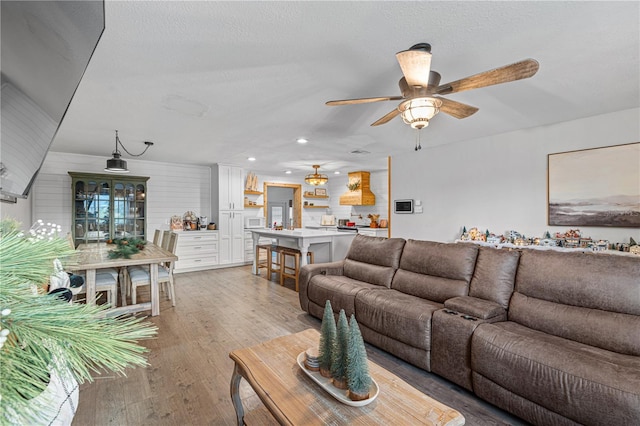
(359, 380)
(327, 340)
(339, 362)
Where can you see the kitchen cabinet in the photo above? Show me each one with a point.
(228, 190)
(231, 237)
(227, 202)
(374, 232)
(196, 251)
(107, 206)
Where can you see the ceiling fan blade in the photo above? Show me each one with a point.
(456, 109)
(387, 117)
(415, 65)
(364, 100)
(516, 71)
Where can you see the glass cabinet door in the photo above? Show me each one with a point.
(106, 208)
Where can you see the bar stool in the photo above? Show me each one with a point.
(263, 262)
(288, 271)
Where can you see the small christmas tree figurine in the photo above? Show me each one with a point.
(357, 368)
(339, 362)
(327, 340)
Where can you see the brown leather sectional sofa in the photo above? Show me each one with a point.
(552, 337)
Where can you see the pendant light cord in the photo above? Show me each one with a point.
(147, 143)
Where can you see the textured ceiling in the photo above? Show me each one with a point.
(215, 82)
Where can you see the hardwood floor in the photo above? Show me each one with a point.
(187, 380)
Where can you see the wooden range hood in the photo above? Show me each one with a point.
(362, 196)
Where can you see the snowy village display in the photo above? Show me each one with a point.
(571, 239)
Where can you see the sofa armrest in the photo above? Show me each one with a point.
(478, 308)
(307, 272)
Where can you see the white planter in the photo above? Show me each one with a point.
(56, 405)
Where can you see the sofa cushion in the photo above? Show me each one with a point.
(340, 290)
(607, 330)
(400, 316)
(435, 271)
(373, 259)
(584, 383)
(581, 279)
(586, 297)
(494, 275)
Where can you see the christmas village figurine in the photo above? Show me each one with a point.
(341, 355)
(571, 239)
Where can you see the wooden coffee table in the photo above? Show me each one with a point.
(294, 399)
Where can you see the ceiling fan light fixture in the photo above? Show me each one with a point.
(316, 178)
(418, 111)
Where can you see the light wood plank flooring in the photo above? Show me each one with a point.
(187, 380)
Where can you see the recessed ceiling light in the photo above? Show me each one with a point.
(302, 140)
(337, 172)
(360, 152)
(288, 172)
(251, 158)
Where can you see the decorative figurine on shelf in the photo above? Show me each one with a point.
(359, 380)
(339, 358)
(327, 340)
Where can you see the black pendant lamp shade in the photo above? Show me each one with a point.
(117, 164)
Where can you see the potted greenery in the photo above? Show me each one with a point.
(46, 341)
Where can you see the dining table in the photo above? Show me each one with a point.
(91, 257)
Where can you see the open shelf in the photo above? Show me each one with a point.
(253, 192)
(253, 206)
(316, 196)
(316, 207)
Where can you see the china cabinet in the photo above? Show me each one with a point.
(108, 206)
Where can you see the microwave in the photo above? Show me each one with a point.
(254, 222)
(403, 206)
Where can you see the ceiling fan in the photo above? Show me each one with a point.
(421, 86)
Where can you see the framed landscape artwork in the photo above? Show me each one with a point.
(595, 187)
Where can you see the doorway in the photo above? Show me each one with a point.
(291, 211)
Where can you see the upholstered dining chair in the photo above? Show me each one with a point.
(140, 277)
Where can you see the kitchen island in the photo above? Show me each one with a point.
(338, 242)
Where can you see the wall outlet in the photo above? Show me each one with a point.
(417, 209)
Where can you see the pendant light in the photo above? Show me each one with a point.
(316, 178)
(118, 165)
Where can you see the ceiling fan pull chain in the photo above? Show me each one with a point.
(418, 146)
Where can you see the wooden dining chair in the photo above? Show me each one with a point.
(140, 277)
(157, 237)
(106, 280)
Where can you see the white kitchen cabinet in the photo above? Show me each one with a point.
(227, 188)
(227, 205)
(231, 237)
(374, 232)
(196, 251)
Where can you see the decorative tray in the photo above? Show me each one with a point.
(339, 394)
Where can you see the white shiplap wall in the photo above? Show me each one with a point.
(172, 189)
